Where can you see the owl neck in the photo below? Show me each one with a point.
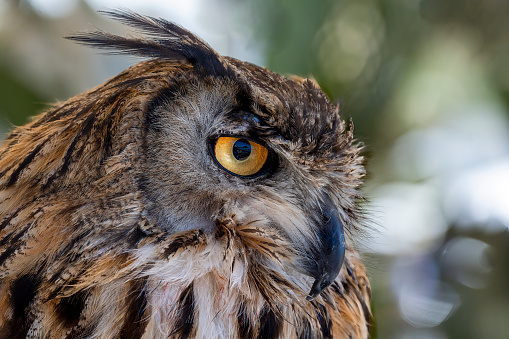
(213, 290)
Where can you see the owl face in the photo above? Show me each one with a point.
(259, 148)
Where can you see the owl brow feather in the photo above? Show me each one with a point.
(161, 40)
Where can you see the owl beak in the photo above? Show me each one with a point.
(327, 256)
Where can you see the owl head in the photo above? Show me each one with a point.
(183, 170)
(230, 144)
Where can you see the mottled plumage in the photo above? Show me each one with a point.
(118, 221)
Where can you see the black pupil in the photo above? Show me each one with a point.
(241, 149)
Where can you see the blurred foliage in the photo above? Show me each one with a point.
(408, 72)
(17, 100)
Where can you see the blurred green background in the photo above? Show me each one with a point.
(427, 85)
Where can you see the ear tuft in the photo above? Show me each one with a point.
(160, 39)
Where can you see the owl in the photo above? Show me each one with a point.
(191, 196)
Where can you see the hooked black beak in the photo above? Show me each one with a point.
(326, 257)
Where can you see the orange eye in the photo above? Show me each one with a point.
(240, 156)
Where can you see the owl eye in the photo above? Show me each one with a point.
(240, 156)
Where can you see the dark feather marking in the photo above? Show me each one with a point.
(183, 241)
(244, 98)
(126, 85)
(168, 95)
(174, 246)
(365, 309)
(84, 131)
(278, 281)
(246, 326)
(23, 291)
(253, 230)
(151, 119)
(9, 166)
(53, 115)
(134, 236)
(62, 253)
(351, 274)
(324, 320)
(270, 325)
(255, 274)
(13, 140)
(69, 309)
(86, 127)
(8, 219)
(28, 159)
(13, 237)
(185, 306)
(305, 332)
(134, 322)
(346, 288)
(107, 140)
